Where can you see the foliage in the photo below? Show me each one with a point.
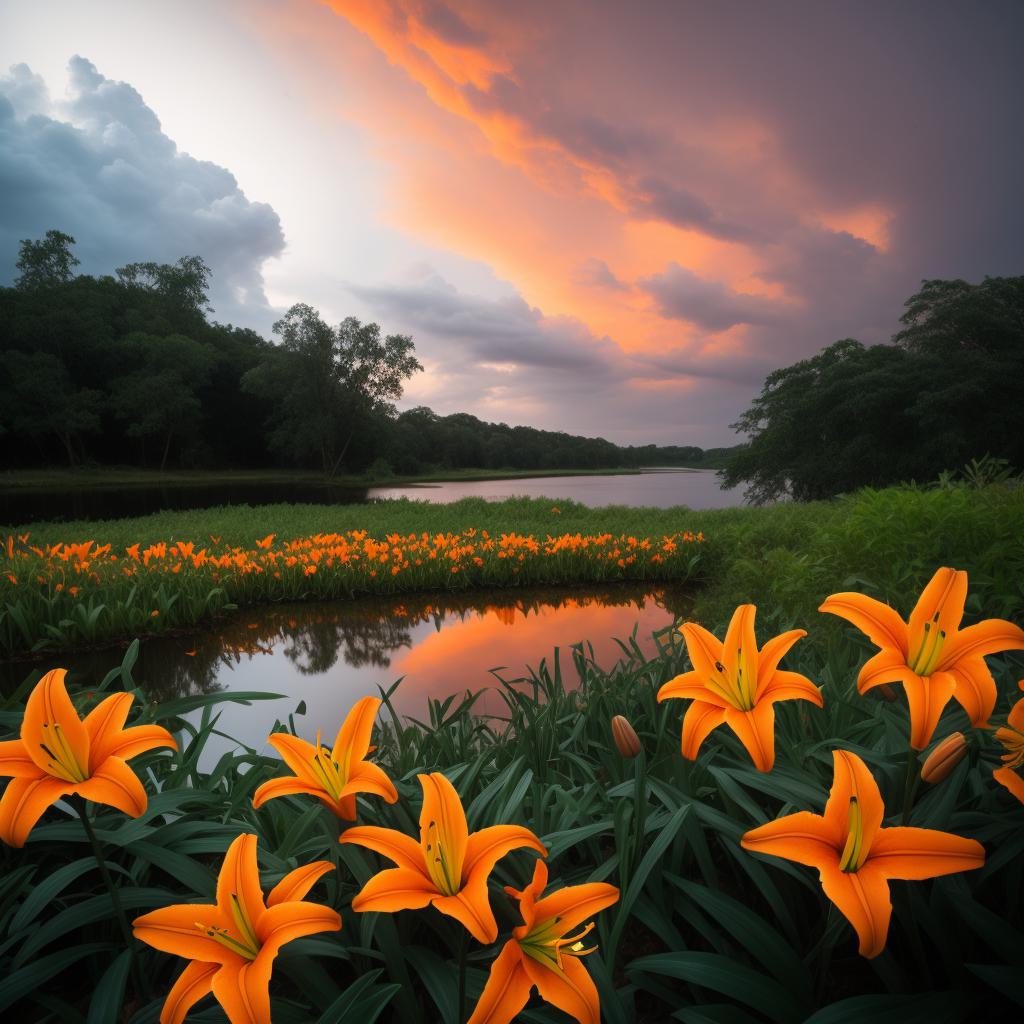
(320, 398)
(703, 930)
(324, 384)
(945, 389)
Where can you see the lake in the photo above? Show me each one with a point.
(663, 488)
(330, 655)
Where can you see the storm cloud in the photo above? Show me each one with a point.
(98, 166)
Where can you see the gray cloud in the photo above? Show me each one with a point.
(596, 273)
(655, 199)
(99, 168)
(681, 295)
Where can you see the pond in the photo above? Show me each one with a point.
(697, 488)
(330, 655)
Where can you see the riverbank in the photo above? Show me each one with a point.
(115, 477)
(53, 593)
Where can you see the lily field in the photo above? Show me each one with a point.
(806, 807)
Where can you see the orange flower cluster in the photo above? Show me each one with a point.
(355, 555)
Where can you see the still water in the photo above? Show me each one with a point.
(663, 488)
(330, 655)
(697, 488)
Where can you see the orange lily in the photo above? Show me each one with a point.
(541, 954)
(333, 776)
(60, 754)
(855, 856)
(737, 685)
(232, 943)
(930, 654)
(447, 868)
(1012, 737)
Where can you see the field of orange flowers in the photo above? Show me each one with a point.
(67, 593)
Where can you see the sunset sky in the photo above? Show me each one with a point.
(608, 218)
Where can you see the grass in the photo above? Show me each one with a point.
(785, 556)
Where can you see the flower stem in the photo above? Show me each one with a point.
(909, 785)
(141, 987)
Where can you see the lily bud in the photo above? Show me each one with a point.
(626, 740)
(944, 758)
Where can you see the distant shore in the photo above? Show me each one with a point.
(111, 477)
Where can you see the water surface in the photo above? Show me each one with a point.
(697, 488)
(330, 655)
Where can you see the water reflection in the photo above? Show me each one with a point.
(330, 655)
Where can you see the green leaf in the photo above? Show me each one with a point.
(361, 1003)
(28, 979)
(105, 1005)
(893, 1009)
(723, 974)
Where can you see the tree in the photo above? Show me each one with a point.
(944, 393)
(158, 397)
(39, 397)
(47, 262)
(326, 384)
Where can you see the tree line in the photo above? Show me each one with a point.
(944, 393)
(128, 369)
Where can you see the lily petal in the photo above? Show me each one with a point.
(989, 637)
(297, 883)
(943, 597)
(803, 837)
(879, 622)
(741, 639)
(571, 989)
(862, 897)
(772, 653)
(242, 988)
(926, 697)
(851, 779)
(887, 666)
(176, 929)
(51, 721)
(395, 889)
(916, 853)
(1004, 776)
(115, 784)
(353, 740)
(193, 983)
(388, 842)
(298, 755)
(704, 649)
(698, 722)
(239, 879)
(289, 785)
(15, 761)
(485, 848)
(575, 904)
(23, 804)
(690, 686)
(507, 990)
(471, 907)
(443, 810)
(791, 686)
(975, 689)
(129, 743)
(367, 777)
(108, 716)
(284, 922)
(756, 731)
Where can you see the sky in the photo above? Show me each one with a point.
(606, 218)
